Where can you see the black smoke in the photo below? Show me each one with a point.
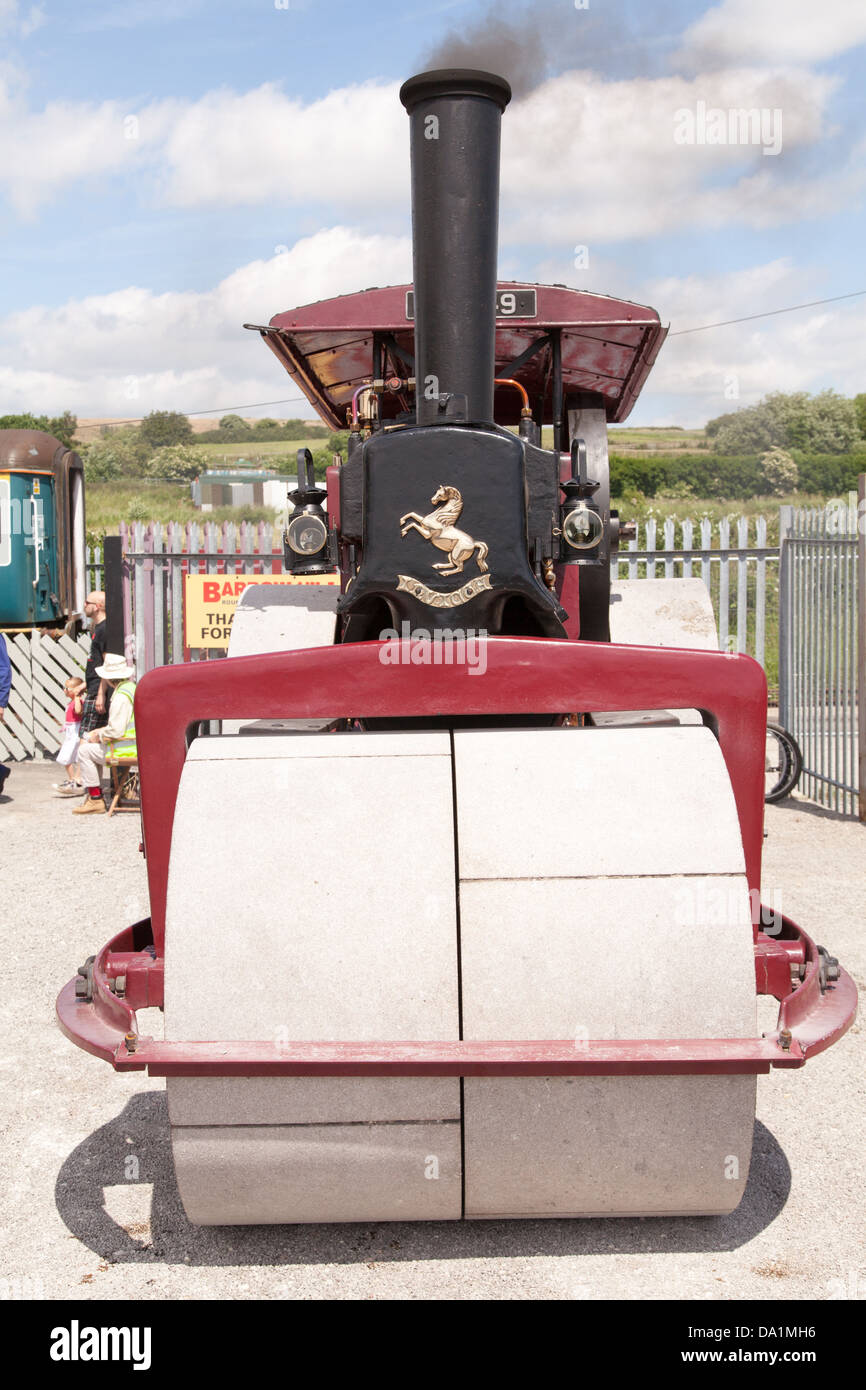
(526, 45)
(514, 51)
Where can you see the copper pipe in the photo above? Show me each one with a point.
(509, 381)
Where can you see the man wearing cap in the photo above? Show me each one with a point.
(116, 737)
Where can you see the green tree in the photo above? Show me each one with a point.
(233, 430)
(746, 431)
(178, 462)
(822, 424)
(101, 462)
(287, 464)
(860, 413)
(267, 429)
(62, 427)
(322, 460)
(162, 428)
(283, 463)
(780, 472)
(119, 453)
(302, 429)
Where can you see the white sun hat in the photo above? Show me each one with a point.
(115, 669)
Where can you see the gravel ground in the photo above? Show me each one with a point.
(89, 1205)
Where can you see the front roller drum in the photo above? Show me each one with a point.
(629, 921)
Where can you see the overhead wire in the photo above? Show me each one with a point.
(747, 318)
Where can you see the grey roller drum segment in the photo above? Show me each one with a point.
(281, 618)
(284, 617)
(663, 613)
(633, 924)
(629, 921)
(299, 946)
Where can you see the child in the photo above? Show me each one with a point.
(74, 690)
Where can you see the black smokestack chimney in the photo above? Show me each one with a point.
(455, 119)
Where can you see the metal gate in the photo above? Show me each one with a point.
(821, 648)
(41, 664)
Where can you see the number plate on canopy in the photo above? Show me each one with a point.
(510, 304)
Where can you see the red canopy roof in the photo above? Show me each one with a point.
(608, 347)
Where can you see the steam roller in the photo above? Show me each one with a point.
(458, 914)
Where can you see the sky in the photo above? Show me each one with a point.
(173, 169)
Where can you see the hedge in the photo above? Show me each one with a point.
(734, 476)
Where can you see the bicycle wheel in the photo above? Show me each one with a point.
(783, 763)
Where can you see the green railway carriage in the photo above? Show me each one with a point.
(42, 555)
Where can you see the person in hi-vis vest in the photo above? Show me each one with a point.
(117, 737)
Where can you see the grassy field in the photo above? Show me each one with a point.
(259, 453)
(622, 439)
(141, 499)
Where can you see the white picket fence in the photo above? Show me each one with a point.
(732, 557)
(41, 664)
(740, 571)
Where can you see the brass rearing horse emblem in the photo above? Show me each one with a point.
(439, 528)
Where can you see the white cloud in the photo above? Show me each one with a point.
(774, 31)
(258, 146)
(226, 149)
(619, 173)
(702, 375)
(135, 351)
(583, 157)
(42, 152)
(18, 21)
